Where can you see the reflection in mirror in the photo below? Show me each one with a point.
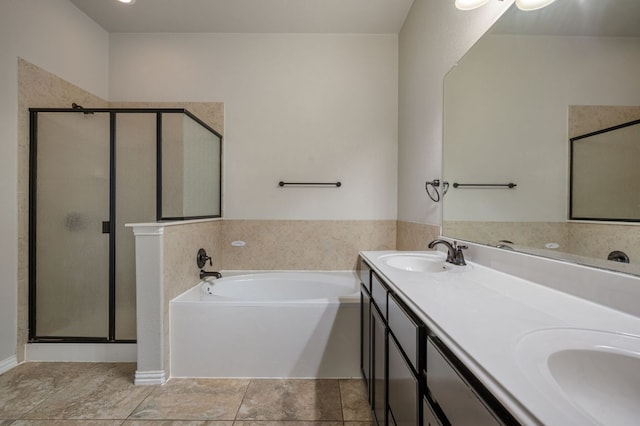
(191, 158)
(511, 106)
(605, 174)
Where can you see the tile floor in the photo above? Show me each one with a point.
(103, 394)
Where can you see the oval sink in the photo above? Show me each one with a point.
(416, 262)
(596, 372)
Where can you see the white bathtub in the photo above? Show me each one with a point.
(268, 324)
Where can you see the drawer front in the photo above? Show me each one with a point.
(404, 389)
(379, 294)
(365, 275)
(407, 331)
(451, 392)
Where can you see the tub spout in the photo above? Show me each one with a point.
(204, 274)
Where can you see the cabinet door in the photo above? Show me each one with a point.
(378, 370)
(429, 417)
(365, 336)
(453, 394)
(404, 388)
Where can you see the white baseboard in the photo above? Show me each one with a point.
(150, 377)
(82, 352)
(8, 363)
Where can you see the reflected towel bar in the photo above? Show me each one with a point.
(489, 185)
(336, 184)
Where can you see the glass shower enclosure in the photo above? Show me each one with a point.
(91, 172)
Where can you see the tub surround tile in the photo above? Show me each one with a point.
(180, 246)
(291, 400)
(194, 399)
(303, 244)
(353, 394)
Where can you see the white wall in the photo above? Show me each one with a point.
(542, 76)
(54, 35)
(434, 37)
(298, 107)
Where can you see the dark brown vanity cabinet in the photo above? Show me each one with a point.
(391, 354)
(412, 377)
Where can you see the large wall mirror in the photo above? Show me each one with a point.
(535, 81)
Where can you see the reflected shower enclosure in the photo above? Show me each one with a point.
(91, 172)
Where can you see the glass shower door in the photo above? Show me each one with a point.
(71, 244)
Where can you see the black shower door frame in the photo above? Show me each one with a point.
(107, 226)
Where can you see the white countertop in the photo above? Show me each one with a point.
(482, 314)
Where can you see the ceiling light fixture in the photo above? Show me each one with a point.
(532, 4)
(127, 1)
(470, 4)
(520, 4)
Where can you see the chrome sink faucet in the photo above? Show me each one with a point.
(454, 252)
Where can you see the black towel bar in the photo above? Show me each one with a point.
(489, 185)
(336, 184)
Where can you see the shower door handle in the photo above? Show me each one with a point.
(106, 227)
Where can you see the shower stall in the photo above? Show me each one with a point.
(91, 172)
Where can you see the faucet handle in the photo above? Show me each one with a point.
(201, 258)
(458, 258)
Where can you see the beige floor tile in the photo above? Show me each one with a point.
(359, 423)
(177, 423)
(194, 399)
(291, 400)
(284, 423)
(355, 405)
(26, 386)
(67, 423)
(107, 392)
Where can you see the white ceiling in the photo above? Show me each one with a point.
(249, 16)
(602, 18)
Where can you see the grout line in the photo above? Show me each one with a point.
(235, 418)
(341, 404)
(153, 389)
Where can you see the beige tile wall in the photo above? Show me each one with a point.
(180, 271)
(597, 240)
(415, 236)
(303, 244)
(585, 119)
(531, 234)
